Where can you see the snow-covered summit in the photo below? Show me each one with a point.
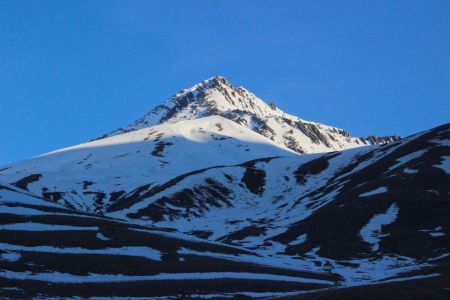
(217, 96)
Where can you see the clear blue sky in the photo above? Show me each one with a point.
(73, 70)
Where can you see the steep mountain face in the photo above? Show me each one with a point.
(219, 97)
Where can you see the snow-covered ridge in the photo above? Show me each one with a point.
(90, 174)
(217, 96)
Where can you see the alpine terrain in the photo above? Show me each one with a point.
(215, 194)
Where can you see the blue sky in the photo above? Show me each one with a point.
(73, 70)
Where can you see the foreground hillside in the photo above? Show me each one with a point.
(335, 225)
(50, 251)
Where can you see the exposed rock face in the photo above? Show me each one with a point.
(217, 96)
(373, 139)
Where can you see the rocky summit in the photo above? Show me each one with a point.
(218, 97)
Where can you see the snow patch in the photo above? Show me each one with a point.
(100, 236)
(372, 232)
(436, 232)
(409, 278)
(410, 171)
(146, 252)
(376, 191)
(445, 164)
(406, 158)
(299, 240)
(43, 227)
(10, 256)
(57, 277)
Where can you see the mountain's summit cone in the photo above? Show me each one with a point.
(217, 96)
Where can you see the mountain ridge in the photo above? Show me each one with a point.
(96, 171)
(217, 96)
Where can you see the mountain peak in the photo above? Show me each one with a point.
(219, 79)
(212, 82)
(216, 96)
(218, 83)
